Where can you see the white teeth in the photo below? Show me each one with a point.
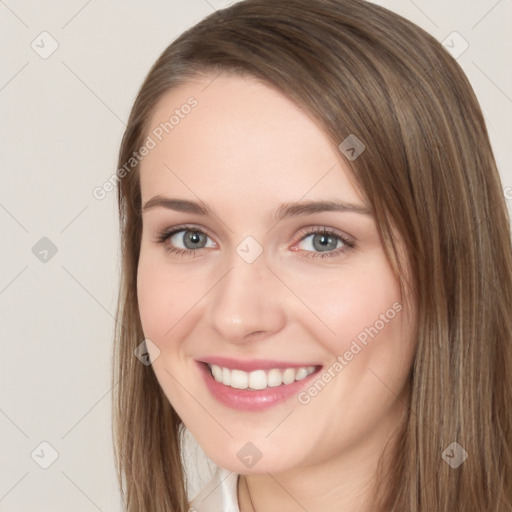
(302, 373)
(259, 379)
(226, 376)
(274, 378)
(216, 372)
(239, 379)
(288, 375)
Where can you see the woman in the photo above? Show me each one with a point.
(316, 253)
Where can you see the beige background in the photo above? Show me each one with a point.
(62, 118)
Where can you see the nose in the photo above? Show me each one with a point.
(247, 303)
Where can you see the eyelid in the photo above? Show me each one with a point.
(347, 240)
(166, 233)
(316, 228)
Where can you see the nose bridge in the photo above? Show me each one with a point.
(245, 300)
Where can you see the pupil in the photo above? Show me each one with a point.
(325, 242)
(194, 238)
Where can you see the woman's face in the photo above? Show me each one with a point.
(265, 278)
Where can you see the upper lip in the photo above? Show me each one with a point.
(253, 364)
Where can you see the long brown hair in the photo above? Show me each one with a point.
(427, 171)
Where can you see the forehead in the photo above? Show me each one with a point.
(235, 136)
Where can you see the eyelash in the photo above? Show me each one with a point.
(166, 234)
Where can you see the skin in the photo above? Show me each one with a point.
(244, 150)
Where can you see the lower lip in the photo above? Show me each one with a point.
(247, 400)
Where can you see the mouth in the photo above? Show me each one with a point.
(260, 379)
(257, 387)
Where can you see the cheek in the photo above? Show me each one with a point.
(157, 294)
(353, 305)
(150, 297)
(166, 305)
(169, 298)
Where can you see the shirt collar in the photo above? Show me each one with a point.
(219, 494)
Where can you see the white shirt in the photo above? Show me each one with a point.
(219, 494)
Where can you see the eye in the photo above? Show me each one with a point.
(322, 242)
(184, 240)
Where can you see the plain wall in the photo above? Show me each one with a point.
(61, 122)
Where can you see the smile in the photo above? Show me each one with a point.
(261, 385)
(258, 379)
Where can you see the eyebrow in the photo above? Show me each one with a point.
(284, 211)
